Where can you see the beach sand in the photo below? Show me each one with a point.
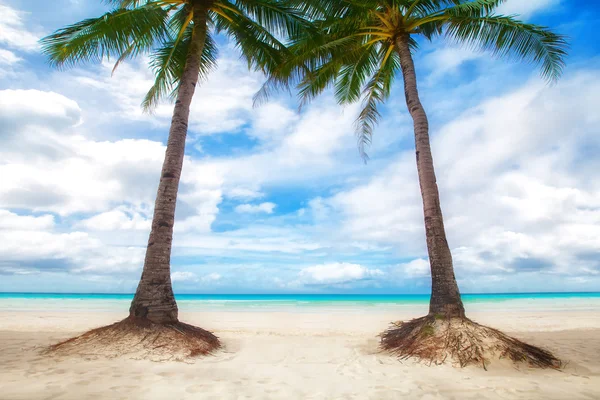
(313, 354)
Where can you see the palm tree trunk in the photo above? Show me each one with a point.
(154, 299)
(445, 296)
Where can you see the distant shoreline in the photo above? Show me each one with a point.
(299, 296)
(75, 302)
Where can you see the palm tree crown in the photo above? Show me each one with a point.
(356, 49)
(163, 29)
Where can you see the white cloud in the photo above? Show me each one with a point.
(8, 57)
(526, 8)
(416, 268)
(183, 276)
(47, 165)
(446, 60)
(43, 250)
(9, 220)
(13, 31)
(115, 220)
(272, 122)
(221, 104)
(336, 273)
(85, 176)
(386, 210)
(202, 199)
(35, 107)
(319, 143)
(8, 63)
(256, 208)
(244, 193)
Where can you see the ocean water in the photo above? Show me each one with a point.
(302, 302)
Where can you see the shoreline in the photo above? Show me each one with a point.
(563, 305)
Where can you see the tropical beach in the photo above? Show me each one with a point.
(290, 199)
(297, 347)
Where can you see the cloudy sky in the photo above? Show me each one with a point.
(278, 201)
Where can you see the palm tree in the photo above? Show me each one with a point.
(178, 35)
(360, 48)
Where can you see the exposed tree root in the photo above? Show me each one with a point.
(140, 339)
(461, 342)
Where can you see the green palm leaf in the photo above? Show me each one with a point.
(123, 31)
(508, 37)
(168, 62)
(345, 52)
(376, 91)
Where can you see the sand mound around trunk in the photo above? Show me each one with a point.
(461, 342)
(140, 339)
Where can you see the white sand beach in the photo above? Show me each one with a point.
(312, 354)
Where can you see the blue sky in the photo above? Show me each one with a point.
(274, 200)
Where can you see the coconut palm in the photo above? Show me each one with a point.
(179, 37)
(361, 47)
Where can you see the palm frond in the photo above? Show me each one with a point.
(352, 76)
(117, 33)
(475, 7)
(168, 62)
(259, 47)
(279, 17)
(376, 91)
(507, 37)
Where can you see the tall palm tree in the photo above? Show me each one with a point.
(361, 46)
(178, 35)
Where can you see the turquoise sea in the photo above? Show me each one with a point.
(263, 302)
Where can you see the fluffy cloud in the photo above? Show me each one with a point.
(184, 276)
(90, 176)
(336, 273)
(118, 219)
(272, 122)
(320, 139)
(448, 60)
(8, 57)
(221, 104)
(49, 251)
(9, 220)
(13, 32)
(416, 268)
(19, 108)
(49, 166)
(8, 61)
(266, 208)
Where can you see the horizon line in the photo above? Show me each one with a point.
(307, 294)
